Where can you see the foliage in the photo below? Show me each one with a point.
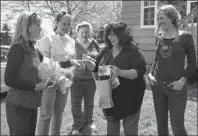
(5, 35)
(97, 13)
(99, 34)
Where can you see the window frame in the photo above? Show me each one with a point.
(188, 11)
(142, 15)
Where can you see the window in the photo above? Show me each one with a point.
(148, 16)
(190, 6)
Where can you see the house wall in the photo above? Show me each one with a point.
(131, 12)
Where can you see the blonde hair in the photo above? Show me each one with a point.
(171, 12)
(21, 34)
(84, 24)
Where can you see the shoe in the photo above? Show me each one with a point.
(88, 130)
(75, 132)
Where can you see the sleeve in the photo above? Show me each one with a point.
(141, 64)
(153, 65)
(15, 59)
(99, 57)
(191, 57)
(44, 46)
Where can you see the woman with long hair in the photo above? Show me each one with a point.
(128, 65)
(168, 74)
(21, 75)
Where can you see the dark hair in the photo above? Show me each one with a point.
(122, 31)
(58, 17)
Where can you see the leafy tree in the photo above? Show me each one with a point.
(5, 35)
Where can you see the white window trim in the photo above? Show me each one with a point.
(188, 11)
(142, 16)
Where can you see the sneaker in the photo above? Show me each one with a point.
(75, 132)
(88, 130)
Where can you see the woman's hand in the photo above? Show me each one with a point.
(75, 63)
(151, 79)
(41, 86)
(178, 85)
(116, 71)
(89, 62)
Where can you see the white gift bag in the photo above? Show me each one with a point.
(104, 91)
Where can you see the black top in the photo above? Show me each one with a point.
(169, 64)
(14, 63)
(128, 96)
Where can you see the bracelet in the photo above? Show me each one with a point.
(183, 79)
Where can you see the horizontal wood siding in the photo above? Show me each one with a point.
(144, 36)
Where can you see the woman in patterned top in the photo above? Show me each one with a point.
(21, 75)
(168, 74)
(83, 83)
(59, 46)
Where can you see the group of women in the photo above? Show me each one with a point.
(167, 75)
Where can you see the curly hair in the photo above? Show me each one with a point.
(123, 33)
(171, 12)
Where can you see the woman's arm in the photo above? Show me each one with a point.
(140, 68)
(15, 60)
(99, 57)
(191, 58)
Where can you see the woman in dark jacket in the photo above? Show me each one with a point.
(129, 66)
(21, 75)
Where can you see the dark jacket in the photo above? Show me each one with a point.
(128, 96)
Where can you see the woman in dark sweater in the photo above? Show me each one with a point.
(129, 66)
(168, 74)
(21, 75)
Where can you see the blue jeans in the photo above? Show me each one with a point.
(52, 106)
(130, 125)
(166, 99)
(21, 121)
(82, 89)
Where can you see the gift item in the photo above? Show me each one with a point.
(103, 88)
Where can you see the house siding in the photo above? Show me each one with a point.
(131, 12)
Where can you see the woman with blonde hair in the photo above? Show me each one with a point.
(168, 74)
(59, 46)
(21, 75)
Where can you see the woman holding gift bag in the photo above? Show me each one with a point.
(128, 65)
(21, 75)
(168, 78)
(59, 46)
(83, 86)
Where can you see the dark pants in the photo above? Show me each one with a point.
(21, 121)
(166, 99)
(130, 125)
(82, 89)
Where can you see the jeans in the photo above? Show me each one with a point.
(166, 99)
(130, 125)
(82, 89)
(21, 121)
(52, 106)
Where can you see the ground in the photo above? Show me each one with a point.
(147, 123)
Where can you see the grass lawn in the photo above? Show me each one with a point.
(147, 123)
